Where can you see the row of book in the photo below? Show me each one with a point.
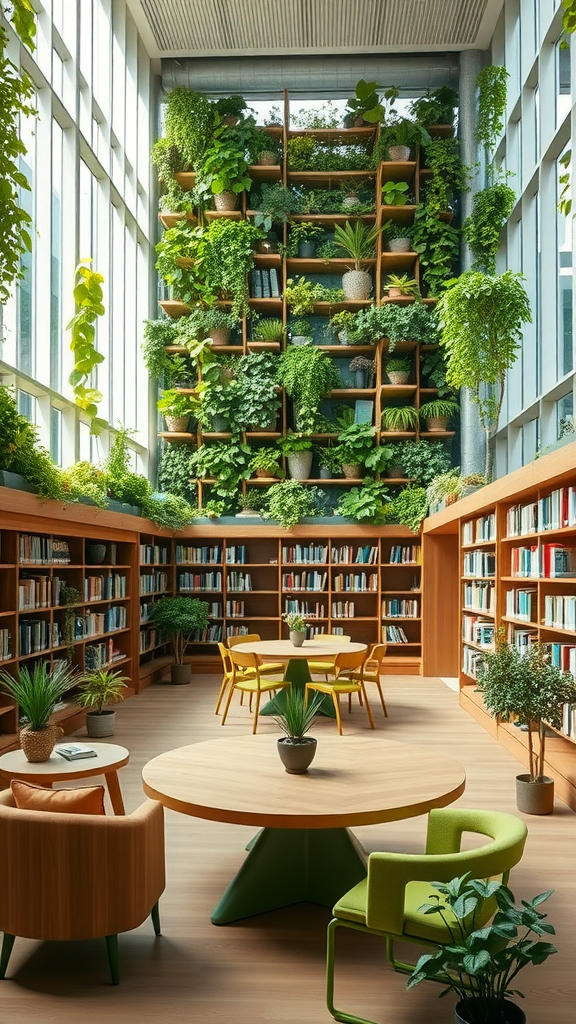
(305, 554)
(304, 581)
(480, 597)
(563, 656)
(478, 530)
(235, 609)
(211, 635)
(522, 604)
(215, 610)
(555, 511)
(355, 582)
(523, 639)
(39, 592)
(154, 582)
(569, 720)
(479, 563)
(477, 630)
(5, 644)
(309, 609)
(99, 655)
(238, 581)
(154, 554)
(560, 611)
(148, 639)
(33, 550)
(343, 609)
(236, 554)
(264, 284)
(401, 608)
(106, 588)
(393, 635)
(38, 635)
(471, 662)
(236, 631)
(548, 561)
(410, 554)
(92, 623)
(206, 555)
(188, 581)
(364, 555)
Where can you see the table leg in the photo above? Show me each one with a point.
(115, 792)
(286, 866)
(298, 673)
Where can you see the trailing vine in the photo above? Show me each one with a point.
(481, 230)
(438, 244)
(88, 297)
(449, 175)
(189, 124)
(492, 88)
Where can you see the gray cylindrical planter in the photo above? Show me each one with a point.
(297, 637)
(534, 797)
(399, 245)
(300, 464)
(296, 757)
(180, 674)
(99, 725)
(361, 379)
(306, 250)
(325, 473)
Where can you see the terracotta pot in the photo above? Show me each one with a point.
(399, 245)
(226, 200)
(399, 152)
(300, 464)
(357, 284)
(352, 471)
(180, 674)
(267, 158)
(263, 474)
(297, 637)
(507, 1013)
(398, 376)
(297, 757)
(38, 744)
(100, 725)
(177, 424)
(437, 423)
(395, 293)
(220, 335)
(534, 797)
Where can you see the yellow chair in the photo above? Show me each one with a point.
(326, 666)
(370, 671)
(254, 684)
(227, 674)
(267, 667)
(337, 686)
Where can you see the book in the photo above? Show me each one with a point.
(74, 751)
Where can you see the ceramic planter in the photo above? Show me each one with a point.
(180, 674)
(396, 293)
(300, 464)
(435, 423)
(100, 725)
(297, 637)
(225, 201)
(398, 376)
(399, 245)
(325, 473)
(361, 378)
(350, 201)
(351, 471)
(505, 1013)
(399, 152)
(38, 744)
(357, 285)
(306, 250)
(220, 335)
(534, 797)
(177, 424)
(95, 554)
(267, 158)
(297, 756)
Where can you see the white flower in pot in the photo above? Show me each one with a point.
(297, 626)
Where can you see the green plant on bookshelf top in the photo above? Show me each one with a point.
(365, 504)
(398, 131)
(354, 444)
(21, 453)
(420, 460)
(254, 499)
(445, 485)
(289, 501)
(436, 107)
(408, 508)
(357, 240)
(396, 193)
(308, 375)
(365, 106)
(225, 161)
(230, 106)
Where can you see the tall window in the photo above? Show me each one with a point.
(564, 294)
(563, 84)
(56, 259)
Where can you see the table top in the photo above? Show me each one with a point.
(353, 780)
(109, 757)
(314, 649)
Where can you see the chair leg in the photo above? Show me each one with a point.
(256, 711)
(367, 703)
(228, 702)
(225, 682)
(347, 1018)
(112, 947)
(155, 915)
(7, 944)
(382, 701)
(336, 702)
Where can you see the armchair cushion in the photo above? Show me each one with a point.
(27, 796)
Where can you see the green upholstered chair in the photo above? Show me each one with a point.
(386, 902)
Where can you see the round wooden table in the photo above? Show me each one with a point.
(109, 757)
(304, 851)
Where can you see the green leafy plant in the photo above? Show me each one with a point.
(439, 408)
(308, 375)
(294, 442)
(178, 618)
(436, 107)
(344, 323)
(254, 499)
(84, 480)
(299, 294)
(408, 508)
(405, 285)
(225, 161)
(445, 485)
(364, 105)
(88, 298)
(395, 193)
(365, 504)
(231, 106)
(21, 453)
(420, 460)
(180, 254)
(189, 123)
(482, 959)
(99, 688)
(301, 329)
(399, 231)
(288, 502)
(267, 460)
(226, 462)
(175, 474)
(357, 240)
(438, 244)
(16, 92)
(399, 131)
(324, 116)
(303, 231)
(491, 209)
(378, 458)
(481, 319)
(157, 335)
(329, 458)
(275, 203)
(269, 329)
(523, 685)
(37, 689)
(449, 175)
(400, 417)
(229, 258)
(433, 371)
(294, 716)
(327, 250)
(174, 403)
(492, 89)
(167, 160)
(398, 366)
(354, 444)
(168, 510)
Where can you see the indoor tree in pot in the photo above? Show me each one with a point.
(359, 242)
(178, 618)
(481, 960)
(527, 688)
(37, 690)
(295, 716)
(98, 688)
(297, 626)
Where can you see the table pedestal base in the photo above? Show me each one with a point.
(286, 866)
(298, 673)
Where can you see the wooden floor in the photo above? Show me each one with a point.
(271, 968)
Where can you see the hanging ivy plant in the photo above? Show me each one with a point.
(438, 244)
(481, 230)
(449, 174)
(492, 88)
(88, 297)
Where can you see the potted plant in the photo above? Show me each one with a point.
(290, 501)
(295, 716)
(398, 136)
(525, 687)
(259, 401)
(398, 370)
(301, 332)
(421, 461)
(177, 410)
(482, 959)
(297, 449)
(438, 412)
(230, 109)
(363, 370)
(364, 504)
(225, 463)
(217, 324)
(269, 329)
(328, 461)
(265, 464)
(299, 294)
(36, 691)
(395, 193)
(225, 167)
(401, 287)
(253, 501)
(275, 203)
(177, 618)
(435, 108)
(302, 240)
(308, 375)
(444, 489)
(359, 242)
(399, 237)
(354, 444)
(97, 689)
(364, 107)
(297, 626)
(408, 508)
(343, 323)
(400, 418)
(411, 322)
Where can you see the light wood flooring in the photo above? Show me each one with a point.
(271, 968)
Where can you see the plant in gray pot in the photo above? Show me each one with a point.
(363, 370)
(295, 716)
(97, 689)
(297, 626)
(297, 449)
(528, 689)
(178, 619)
(481, 959)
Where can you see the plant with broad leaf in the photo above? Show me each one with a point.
(88, 297)
(482, 959)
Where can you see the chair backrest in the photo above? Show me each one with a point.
(323, 637)
(247, 638)
(390, 873)
(241, 659)
(225, 655)
(375, 657)
(79, 876)
(351, 660)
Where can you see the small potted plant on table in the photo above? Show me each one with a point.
(37, 690)
(294, 716)
(297, 626)
(96, 690)
(178, 618)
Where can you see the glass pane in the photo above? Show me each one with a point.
(56, 435)
(564, 276)
(565, 415)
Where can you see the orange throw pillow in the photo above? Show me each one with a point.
(89, 800)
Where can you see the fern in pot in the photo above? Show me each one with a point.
(295, 716)
(438, 412)
(97, 689)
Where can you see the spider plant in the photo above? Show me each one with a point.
(400, 417)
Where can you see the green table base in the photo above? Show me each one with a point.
(298, 673)
(286, 866)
